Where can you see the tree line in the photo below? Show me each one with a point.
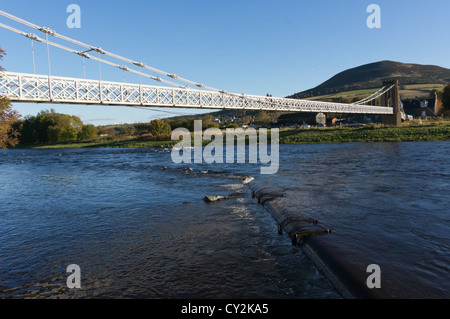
(49, 127)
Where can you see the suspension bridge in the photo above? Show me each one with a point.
(172, 90)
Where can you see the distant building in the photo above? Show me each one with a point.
(421, 108)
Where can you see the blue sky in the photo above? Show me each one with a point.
(255, 47)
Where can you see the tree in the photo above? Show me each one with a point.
(232, 125)
(207, 121)
(446, 97)
(262, 117)
(57, 128)
(127, 129)
(213, 125)
(246, 120)
(182, 123)
(88, 133)
(8, 135)
(160, 128)
(109, 131)
(50, 127)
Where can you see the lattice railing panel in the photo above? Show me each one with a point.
(19, 87)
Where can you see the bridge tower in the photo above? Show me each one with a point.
(392, 99)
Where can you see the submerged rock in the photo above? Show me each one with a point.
(188, 170)
(210, 199)
(234, 194)
(208, 171)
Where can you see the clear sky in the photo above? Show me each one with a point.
(243, 46)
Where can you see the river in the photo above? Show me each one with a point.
(137, 226)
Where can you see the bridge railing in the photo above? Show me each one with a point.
(32, 88)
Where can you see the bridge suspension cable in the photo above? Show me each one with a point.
(84, 54)
(368, 97)
(34, 61)
(374, 96)
(101, 51)
(124, 68)
(107, 53)
(275, 102)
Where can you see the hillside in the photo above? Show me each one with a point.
(372, 75)
(416, 81)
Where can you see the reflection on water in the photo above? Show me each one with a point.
(137, 226)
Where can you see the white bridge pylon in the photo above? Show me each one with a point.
(32, 88)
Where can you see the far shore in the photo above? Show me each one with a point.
(427, 131)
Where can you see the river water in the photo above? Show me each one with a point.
(137, 226)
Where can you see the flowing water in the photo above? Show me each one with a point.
(137, 226)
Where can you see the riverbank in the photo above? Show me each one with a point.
(431, 132)
(103, 144)
(436, 131)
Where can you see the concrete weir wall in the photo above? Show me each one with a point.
(317, 242)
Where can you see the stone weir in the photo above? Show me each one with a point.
(316, 240)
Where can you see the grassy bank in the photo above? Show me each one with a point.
(103, 144)
(367, 134)
(426, 132)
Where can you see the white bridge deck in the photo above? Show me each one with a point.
(31, 88)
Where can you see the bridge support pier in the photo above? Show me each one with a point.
(392, 98)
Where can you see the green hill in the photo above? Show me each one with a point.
(415, 81)
(411, 77)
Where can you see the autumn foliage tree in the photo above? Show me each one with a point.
(8, 116)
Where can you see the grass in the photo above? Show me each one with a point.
(367, 134)
(109, 144)
(428, 130)
(349, 94)
(424, 87)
